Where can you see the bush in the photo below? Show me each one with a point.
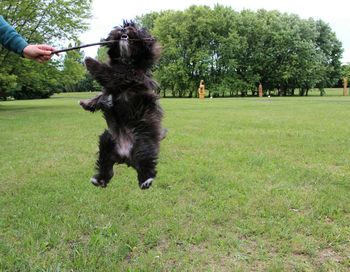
(29, 93)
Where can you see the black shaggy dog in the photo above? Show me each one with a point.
(129, 104)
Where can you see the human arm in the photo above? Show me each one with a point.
(14, 42)
(10, 39)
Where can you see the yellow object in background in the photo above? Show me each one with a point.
(201, 90)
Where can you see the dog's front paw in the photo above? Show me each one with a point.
(87, 104)
(146, 184)
(89, 61)
(91, 64)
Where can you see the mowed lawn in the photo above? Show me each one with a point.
(244, 184)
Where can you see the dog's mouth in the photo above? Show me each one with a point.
(124, 37)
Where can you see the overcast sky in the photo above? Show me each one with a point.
(109, 13)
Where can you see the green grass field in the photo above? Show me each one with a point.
(244, 184)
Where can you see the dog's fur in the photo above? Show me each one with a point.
(129, 104)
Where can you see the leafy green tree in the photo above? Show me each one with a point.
(7, 83)
(345, 74)
(332, 50)
(234, 52)
(39, 21)
(172, 73)
(102, 54)
(73, 70)
(36, 80)
(345, 71)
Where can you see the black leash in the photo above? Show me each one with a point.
(82, 46)
(99, 43)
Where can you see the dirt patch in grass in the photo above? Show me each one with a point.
(328, 255)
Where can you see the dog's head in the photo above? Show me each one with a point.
(133, 46)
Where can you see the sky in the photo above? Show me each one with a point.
(108, 13)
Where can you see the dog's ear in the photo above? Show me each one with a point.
(130, 23)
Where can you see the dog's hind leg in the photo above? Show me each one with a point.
(145, 161)
(146, 172)
(105, 161)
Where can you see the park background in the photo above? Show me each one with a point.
(232, 51)
(245, 183)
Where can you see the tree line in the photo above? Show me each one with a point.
(233, 52)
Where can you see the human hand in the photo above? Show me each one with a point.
(38, 52)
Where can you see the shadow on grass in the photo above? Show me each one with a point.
(19, 108)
